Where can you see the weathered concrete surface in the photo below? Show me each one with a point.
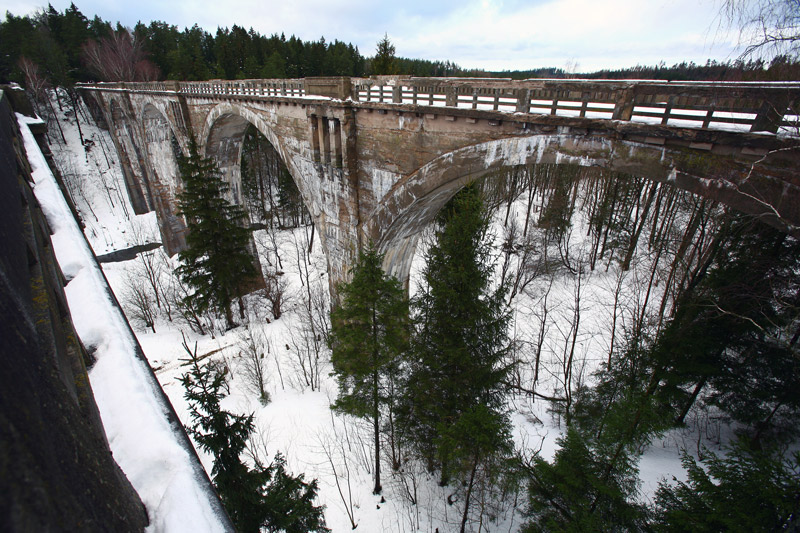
(56, 469)
(378, 171)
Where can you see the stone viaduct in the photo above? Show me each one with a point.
(376, 158)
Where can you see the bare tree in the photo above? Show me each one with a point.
(119, 57)
(35, 82)
(767, 28)
(150, 262)
(275, 292)
(175, 293)
(254, 347)
(338, 460)
(138, 301)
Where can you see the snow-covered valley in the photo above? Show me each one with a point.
(564, 314)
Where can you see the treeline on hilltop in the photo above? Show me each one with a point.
(68, 47)
(779, 68)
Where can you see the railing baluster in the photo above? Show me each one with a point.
(717, 105)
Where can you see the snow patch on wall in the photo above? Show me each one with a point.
(144, 442)
(383, 181)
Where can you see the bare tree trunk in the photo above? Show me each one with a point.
(690, 402)
(469, 494)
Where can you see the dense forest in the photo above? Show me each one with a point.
(62, 48)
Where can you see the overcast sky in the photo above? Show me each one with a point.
(490, 34)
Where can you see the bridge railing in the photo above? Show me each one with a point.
(279, 87)
(734, 106)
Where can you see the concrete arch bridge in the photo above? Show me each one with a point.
(376, 158)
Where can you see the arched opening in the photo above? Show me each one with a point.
(414, 200)
(269, 192)
(260, 177)
(264, 181)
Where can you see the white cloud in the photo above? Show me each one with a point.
(492, 34)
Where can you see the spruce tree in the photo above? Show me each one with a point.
(369, 332)
(261, 497)
(216, 262)
(454, 396)
(746, 490)
(579, 492)
(384, 62)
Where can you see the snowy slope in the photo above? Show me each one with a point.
(136, 419)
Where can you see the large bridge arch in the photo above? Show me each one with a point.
(222, 138)
(413, 202)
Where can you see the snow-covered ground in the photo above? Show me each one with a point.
(297, 421)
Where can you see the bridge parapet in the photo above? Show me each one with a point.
(735, 106)
(768, 107)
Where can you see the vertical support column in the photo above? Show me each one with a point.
(324, 140)
(450, 97)
(668, 110)
(313, 125)
(623, 108)
(584, 103)
(397, 94)
(337, 143)
(709, 116)
(523, 100)
(554, 105)
(770, 114)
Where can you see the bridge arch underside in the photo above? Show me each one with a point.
(131, 159)
(414, 201)
(162, 150)
(224, 134)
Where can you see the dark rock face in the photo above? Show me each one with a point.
(56, 469)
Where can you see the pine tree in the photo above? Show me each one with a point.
(578, 492)
(747, 490)
(216, 262)
(384, 61)
(454, 397)
(254, 498)
(369, 332)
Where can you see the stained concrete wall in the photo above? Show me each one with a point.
(56, 469)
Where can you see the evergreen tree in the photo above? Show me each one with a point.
(216, 262)
(454, 398)
(369, 332)
(578, 492)
(747, 490)
(254, 498)
(735, 333)
(384, 60)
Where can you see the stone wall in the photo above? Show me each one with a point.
(56, 470)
